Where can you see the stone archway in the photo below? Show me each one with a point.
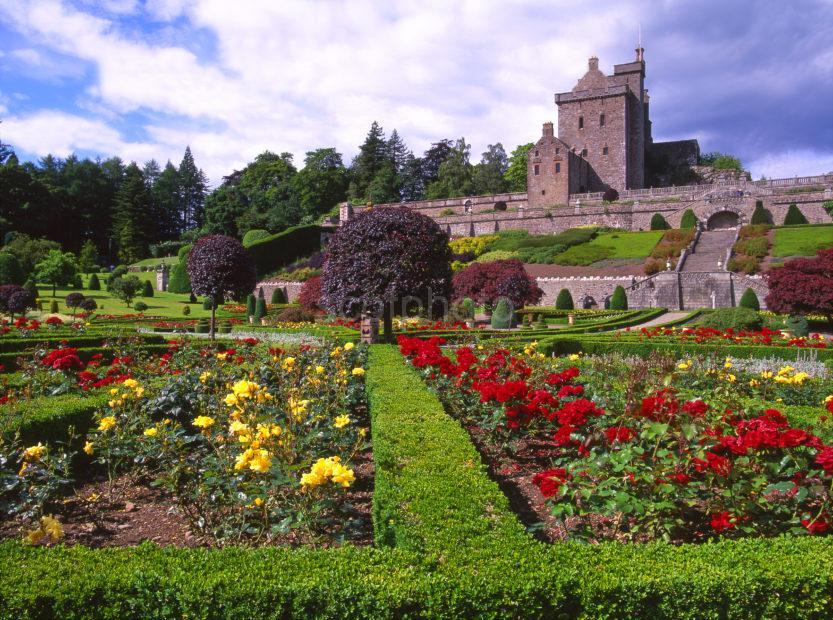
(722, 220)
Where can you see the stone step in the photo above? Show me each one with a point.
(710, 248)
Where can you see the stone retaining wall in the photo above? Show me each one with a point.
(291, 290)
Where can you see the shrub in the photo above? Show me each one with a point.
(32, 288)
(15, 299)
(446, 212)
(689, 220)
(744, 264)
(828, 206)
(53, 307)
(619, 300)
(275, 251)
(502, 315)
(802, 286)
(94, 283)
(749, 300)
(295, 314)
(186, 310)
(494, 255)
(208, 304)
(474, 245)
(485, 283)
(254, 235)
(179, 282)
(610, 195)
(73, 300)
(88, 305)
(260, 309)
(564, 301)
(310, 295)
(733, 318)
(753, 246)
(794, 216)
(118, 272)
(278, 296)
(658, 222)
(140, 306)
(583, 255)
(652, 266)
(147, 289)
(251, 300)
(760, 215)
(10, 269)
(126, 288)
(796, 324)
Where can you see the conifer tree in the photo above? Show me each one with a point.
(368, 163)
(192, 191)
(131, 224)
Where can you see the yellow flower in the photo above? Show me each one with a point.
(342, 475)
(335, 352)
(298, 407)
(114, 391)
(358, 372)
(754, 383)
(341, 421)
(203, 421)
(205, 376)
(766, 374)
(348, 346)
(727, 364)
(34, 453)
(258, 502)
(151, 432)
(231, 400)
(288, 363)
(140, 392)
(731, 378)
(574, 357)
(684, 365)
(49, 528)
(88, 448)
(261, 461)
(237, 427)
(326, 469)
(245, 389)
(828, 399)
(221, 356)
(319, 370)
(105, 424)
(130, 383)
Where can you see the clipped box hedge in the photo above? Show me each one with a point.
(276, 251)
(448, 546)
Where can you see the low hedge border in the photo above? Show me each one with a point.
(48, 418)
(76, 340)
(458, 553)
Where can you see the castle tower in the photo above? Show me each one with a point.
(552, 170)
(604, 119)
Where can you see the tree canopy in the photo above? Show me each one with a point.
(802, 286)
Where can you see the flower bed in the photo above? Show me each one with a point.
(643, 450)
(252, 445)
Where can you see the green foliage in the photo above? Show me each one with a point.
(30, 251)
(797, 325)
(749, 300)
(260, 309)
(803, 241)
(619, 300)
(740, 318)
(689, 220)
(126, 288)
(32, 288)
(489, 174)
(828, 206)
(277, 251)
(455, 174)
(10, 269)
(658, 222)
(186, 310)
(564, 301)
(760, 215)
(277, 296)
(53, 307)
(493, 255)
(794, 216)
(256, 234)
(178, 281)
(140, 306)
(208, 303)
(721, 161)
(753, 246)
(57, 268)
(583, 255)
(88, 256)
(94, 283)
(515, 174)
(502, 315)
(147, 289)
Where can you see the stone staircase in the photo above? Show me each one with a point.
(710, 248)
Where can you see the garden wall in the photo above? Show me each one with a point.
(291, 290)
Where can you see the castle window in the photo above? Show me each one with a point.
(557, 150)
(537, 153)
(604, 150)
(584, 152)
(537, 170)
(543, 191)
(601, 120)
(581, 122)
(557, 167)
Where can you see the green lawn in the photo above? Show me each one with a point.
(153, 262)
(629, 244)
(802, 240)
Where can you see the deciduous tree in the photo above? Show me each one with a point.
(802, 286)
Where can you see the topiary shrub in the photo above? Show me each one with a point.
(88, 305)
(310, 295)
(733, 318)
(488, 282)
(147, 289)
(564, 301)
(502, 315)
(760, 215)
(260, 309)
(94, 283)
(749, 300)
(202, 326)
(207, 303)
(658, 222)
(186, 310)
(73, 300)
(295, 314)
(794, 216)
(10, 269)
(277, 296)
(470, 306)
(619, 300)
(77, 282)
(250, 304)
(610, 195)
(493, 255)
(53, 306)
(32, 287)
(689, 220)
(140, 306)
(797, 325)
(253, 236)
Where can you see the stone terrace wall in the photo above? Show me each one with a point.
(291, 290)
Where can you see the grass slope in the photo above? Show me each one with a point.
(802, 240)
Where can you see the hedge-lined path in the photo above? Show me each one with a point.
(668, 317)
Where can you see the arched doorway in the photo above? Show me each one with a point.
(723, 220)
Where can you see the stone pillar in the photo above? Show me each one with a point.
(162, 279)
(369, 329)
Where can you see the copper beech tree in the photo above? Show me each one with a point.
(486, 283)
(382, 256)
(220, 267)
(802, 286)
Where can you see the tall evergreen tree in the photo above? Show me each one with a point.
(412, 185)
(131, 227)
(166, 195)
(192, 191)
(455, 174)
(488, 177)
(433, 159)
(369, 161)
(321, 184)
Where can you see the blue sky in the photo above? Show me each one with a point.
(143, 78)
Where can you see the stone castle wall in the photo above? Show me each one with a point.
(291, 290)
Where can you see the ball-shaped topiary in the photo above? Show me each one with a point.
(749, 300)
(383, 255)
(219, 265)
(147, 289)
(15, 299)
(658, 222)
(94, 283)
(564, 301)
(619, 300)
(140, 306)
(186, 310)
(88, 305)
(689, 220)
(794, 216)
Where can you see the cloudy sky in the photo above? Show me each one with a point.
(143, 78)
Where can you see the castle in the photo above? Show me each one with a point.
(604, 169)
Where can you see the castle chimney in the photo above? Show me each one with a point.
(640, 53)
(593, 63)
(548, 132)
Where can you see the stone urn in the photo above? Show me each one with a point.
(571, 319)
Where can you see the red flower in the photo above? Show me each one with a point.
(696, 408)
(722, 521)
(620, 434)
(825, 459)
(550, 480)
(819, 526)
(718, 464)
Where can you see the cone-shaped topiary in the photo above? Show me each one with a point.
(502, 315)
(277, 296)
(53, 306)
(749, 300)
(658, 222)
(186, 310)
(147, 289)
(689, 220)
(794, 216)
(32, 287)
(564, 301)
(760, 215)
(260, 309)
(95, 283)
(250, 304)
(619, 301)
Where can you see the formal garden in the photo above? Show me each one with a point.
(462, 451)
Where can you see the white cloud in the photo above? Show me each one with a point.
(792, 163)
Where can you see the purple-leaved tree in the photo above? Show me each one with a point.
(219, 266)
